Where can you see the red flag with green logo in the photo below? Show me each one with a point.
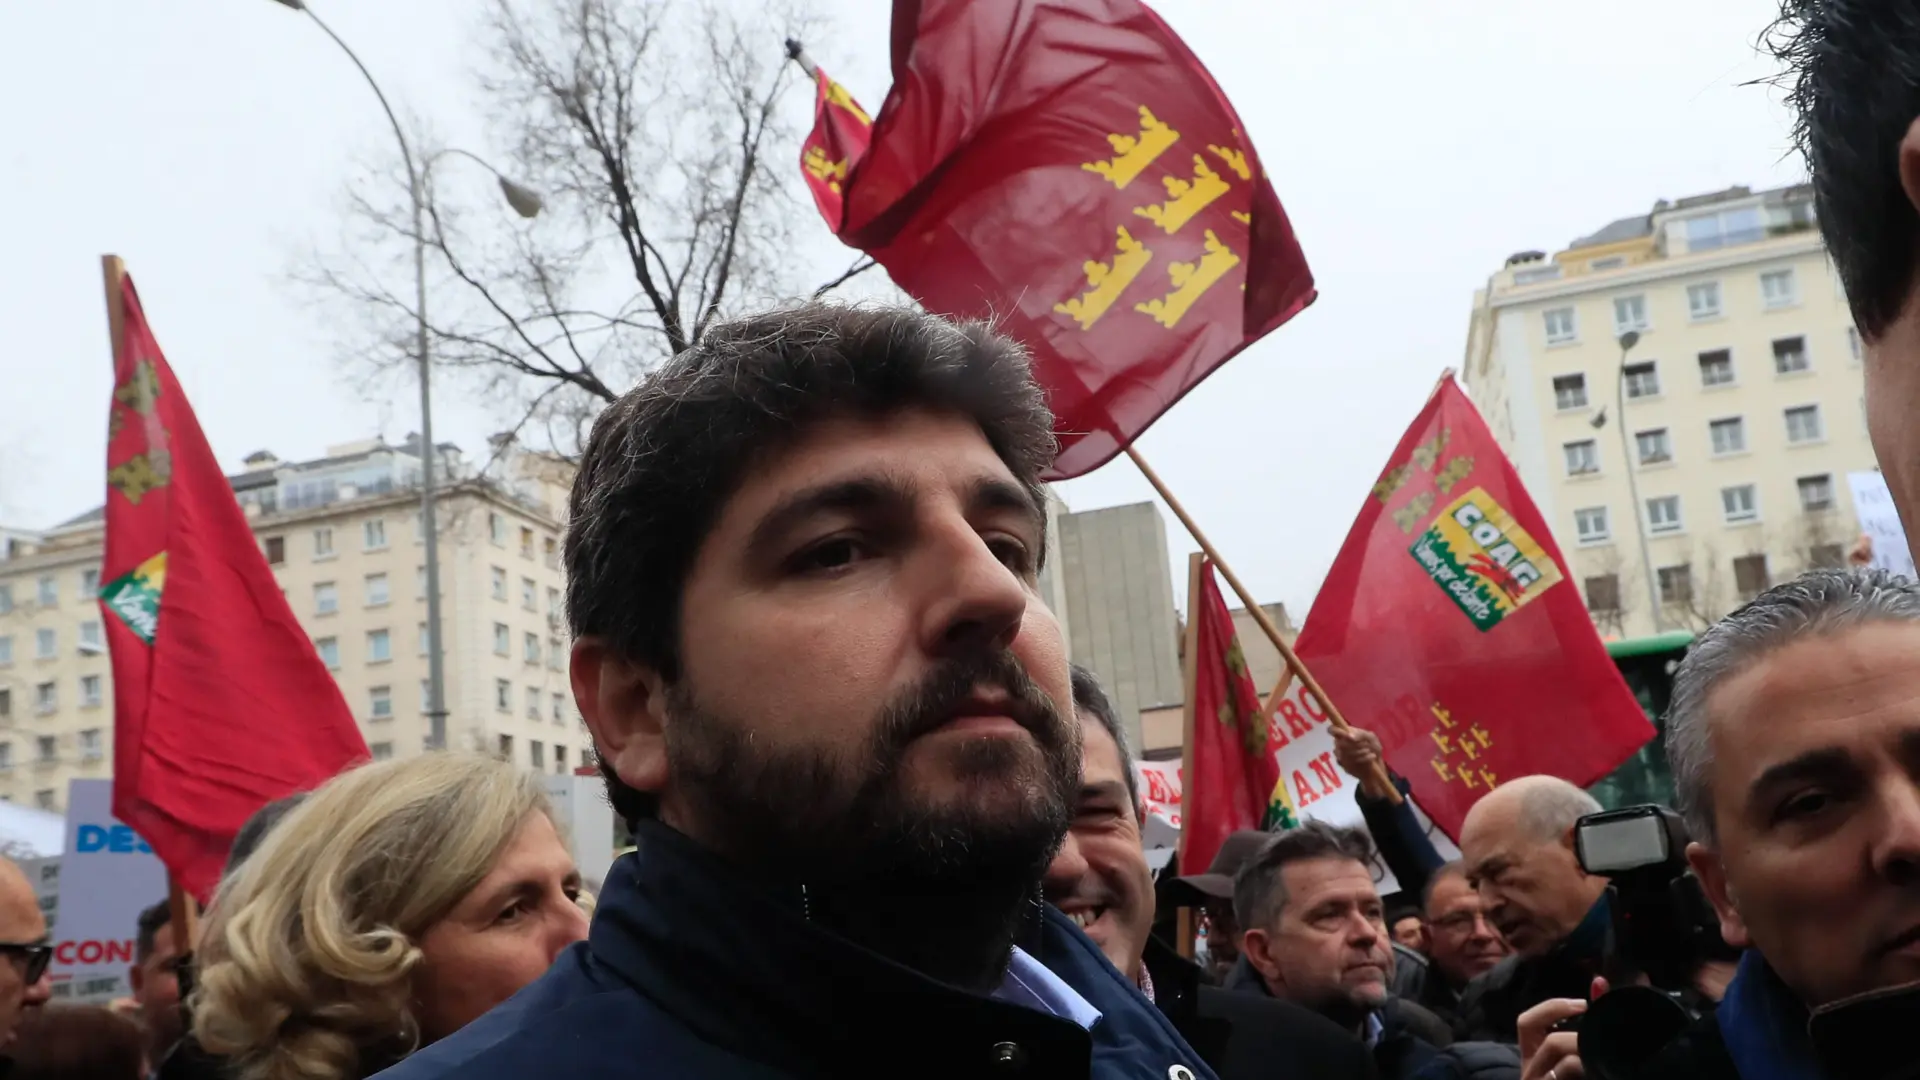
(1449, 627)
(1232, 779)
(221, 703)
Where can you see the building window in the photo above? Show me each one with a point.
(426, 695)
(1654, 446)
(1790, 356)
(502, 640)
(426, 640)
(419, 583)
(1853, 343)
(1729, 435)
(529, 594)
(379, 646)
(6, 755)
(533, 703)
(1569, 392)
(526, 543)
(1727, 228)
(380, 702)
(276, 547)
(555, 655)
(499, 584)
(6, 649)
(376, 590)
(1816, 493)
(374, 534)
(48, 590)
(6, 703)
(6, 599)
(1676, 584)
(1643, 380)
(1777, 289)
(551, 553)
(44, 799)
(326, 598)
(380, 751)
(46, 698)
(89, 583)
(322, 543)
(1750, 576)
(559, 760)
(559, 708)
(48, 748)
(536, 754)
(553, 601)
(502, 695)
(1591, 524)
(1583, 457)
(91, 640)
(1703, 300)
(533, 649)
(1560, 326)
(504, 746)
(497, 530)
(329, 649)
(1663, 514)
(1629, 313)
(1803, 424)
(1826, 557)
(91, 691)
(46, 643)
(1739, 503)
(1716, 368)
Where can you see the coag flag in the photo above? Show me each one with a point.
(221, 703)
(1233, 777)
(1448, 627)
(841, 129)
(1070, 170)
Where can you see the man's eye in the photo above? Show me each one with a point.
(835, 554)
(1013, 554)
(1804, 805)
(512, 914)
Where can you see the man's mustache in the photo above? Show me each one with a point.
(931, 703)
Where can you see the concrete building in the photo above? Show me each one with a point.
(1740, 405)
(1115, 590)
(342, 535)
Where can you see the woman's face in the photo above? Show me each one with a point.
(502, 935)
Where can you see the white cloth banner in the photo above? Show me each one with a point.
(1881, 521)
(107, 877)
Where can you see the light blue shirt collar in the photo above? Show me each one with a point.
(1375, 1029)
(1030, 984)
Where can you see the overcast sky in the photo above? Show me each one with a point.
(1415, 146)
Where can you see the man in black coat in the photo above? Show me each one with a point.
(802, 562)
(1101, 881)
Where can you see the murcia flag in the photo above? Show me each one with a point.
(220, 702)
(841, 129)
(1448, 627)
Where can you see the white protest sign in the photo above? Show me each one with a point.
(585, 817)
(107, 877)
(1881, 521)
(1160, 791)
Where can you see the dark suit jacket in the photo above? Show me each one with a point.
(1248, 1037)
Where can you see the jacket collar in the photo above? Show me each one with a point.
(743, 967)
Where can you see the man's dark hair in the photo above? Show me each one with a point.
(1853, 77)
(1259, 889)
(151, 920)
(256, 829)
(664, 460)
(1090, 700)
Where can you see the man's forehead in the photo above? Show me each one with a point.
(1099, 757)
(1817, 692)
(906, 443)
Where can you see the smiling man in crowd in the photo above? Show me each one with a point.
(802, 564)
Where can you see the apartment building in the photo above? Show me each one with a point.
(1690, 375)
(344, 539)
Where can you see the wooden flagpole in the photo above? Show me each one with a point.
(1378, 784)
(183, 912)
(1189, 675)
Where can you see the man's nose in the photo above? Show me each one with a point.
(1068, 867)
(40, 991)
(980, 602)
(1896, 843)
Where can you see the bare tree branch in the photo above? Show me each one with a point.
(860, 266)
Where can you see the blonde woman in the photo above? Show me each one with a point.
(399, 902)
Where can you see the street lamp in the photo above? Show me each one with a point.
(525, 202)
(1627, 341)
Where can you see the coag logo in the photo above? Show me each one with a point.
(114, 839)
(1483, 559)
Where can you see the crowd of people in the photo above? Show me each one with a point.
(883, 826)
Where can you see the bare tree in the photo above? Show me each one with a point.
(661, 134)
(1702, 598)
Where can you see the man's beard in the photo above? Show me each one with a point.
(938, 888)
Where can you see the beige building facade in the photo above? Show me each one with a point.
(1691, 375)
(343, 538)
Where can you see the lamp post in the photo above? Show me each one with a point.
(525, 202)
(1627, 341)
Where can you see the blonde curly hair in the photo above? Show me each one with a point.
(306, 964)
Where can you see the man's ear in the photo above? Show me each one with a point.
(1253, 946)
(624, 706)
(1909, 153)
(1713, 881)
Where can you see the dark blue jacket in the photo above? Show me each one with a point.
(692, 970)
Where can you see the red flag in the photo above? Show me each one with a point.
(1233, 777)
(1068, 169)
(221, 703)
(1447, 626)
(841, 129)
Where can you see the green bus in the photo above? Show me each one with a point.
(1648, 665)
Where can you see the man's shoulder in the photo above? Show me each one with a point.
(1262, 1026)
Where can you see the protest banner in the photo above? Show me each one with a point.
(1880, 520)
(106, 878)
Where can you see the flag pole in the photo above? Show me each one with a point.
(1190, 678)
(1377, 782)
(182, 911)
